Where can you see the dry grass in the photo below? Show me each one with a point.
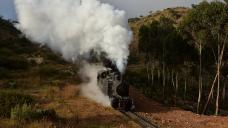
(73, 111)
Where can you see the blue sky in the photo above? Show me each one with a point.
(7, 9)
(133, 8)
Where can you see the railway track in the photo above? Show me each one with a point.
(139, 119)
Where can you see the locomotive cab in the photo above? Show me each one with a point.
(112, 84)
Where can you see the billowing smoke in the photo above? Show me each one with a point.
(75, 27)
(89, 88)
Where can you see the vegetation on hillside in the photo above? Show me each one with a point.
(39, 89)
(186, 63)
(25, 67)
(25, 64)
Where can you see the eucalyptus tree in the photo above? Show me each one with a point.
(149, 45)
(145, 47)
(152, 41)
(192, 26)
(226, 1)
(161, 41)
(165, 31)
(205, 24)
(215, 15)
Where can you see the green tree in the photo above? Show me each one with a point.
(162, 42)
(226, 1)
(205, 26)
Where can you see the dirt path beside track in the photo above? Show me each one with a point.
(172, 117)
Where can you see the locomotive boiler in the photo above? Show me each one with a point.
(112, 84)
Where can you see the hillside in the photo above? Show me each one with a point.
(25, 64)
(172, 85)
(175, 14)
(39, 89)
(175, 57)
(176, 66)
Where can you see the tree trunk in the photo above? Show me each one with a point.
(148, 74)
(210, 94)
(176, 87)
(220, 58)
(168, 76)
(200, 79)
(152, 74)
(218, 93)
(219, 64)
(218, 84)
(185, 88)
(224, 92)
(163, 79)
(177, 84)
(159, 74)
(173, 83)
(163, 70)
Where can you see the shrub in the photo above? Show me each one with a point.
(26, 112)
(15, 62)
(9, 99)
(5, 73)
(21, 112)
(48, 70)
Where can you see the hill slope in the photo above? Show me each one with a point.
(30, 70)
(175, 14)
(24, 64)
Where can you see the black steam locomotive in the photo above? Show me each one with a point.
(112, 84)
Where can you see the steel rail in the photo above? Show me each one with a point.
(140, 120)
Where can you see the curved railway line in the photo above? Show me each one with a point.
(144, 123)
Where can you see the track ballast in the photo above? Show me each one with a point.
(139, 119)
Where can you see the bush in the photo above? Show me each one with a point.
(21, 112)
(52, 72)
(5, 73)
(9, 99)
(48, 70)
(13, 63)
(26, 112)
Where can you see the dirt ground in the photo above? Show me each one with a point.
(77, 111)
(172, 117)
(73, 111)
(80, 112)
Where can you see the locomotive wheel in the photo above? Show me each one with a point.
(115, 103)
(128, 105)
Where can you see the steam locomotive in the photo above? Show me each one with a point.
(112, 84)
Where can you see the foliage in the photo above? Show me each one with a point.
(26, 112)
(160, 39)
(205, 21)
(175, 55)
(18, 61)
(9, 99)
(21, 112)
(48, 70)
(205, 25)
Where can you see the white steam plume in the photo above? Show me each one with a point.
(90, 88)
(75, 27)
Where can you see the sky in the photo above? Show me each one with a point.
(7, 9)
(133, 8)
